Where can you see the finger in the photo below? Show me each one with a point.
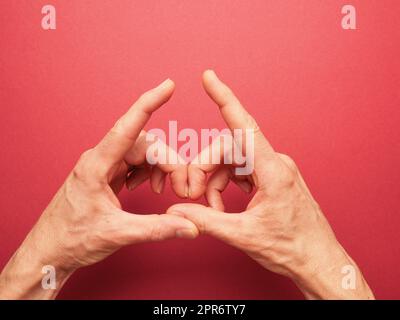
(234, 114)
(123, 135)
(209, 221)
(219, 152)
(243, 184)
(148, 228)
(207, 161)
(149, 149)
(157, 180)
(137, 177)
(217, 183)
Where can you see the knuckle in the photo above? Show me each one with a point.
(288, 161)
(288, 177)
(117, 127)
(86, 155)
(82, 169)
(90, 170)
(145, 100)
(283, 175)
(226, 96)
(202, 224)
(251, 123)
(156, 232)
(142, 98)
(145, 95)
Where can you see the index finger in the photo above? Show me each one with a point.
(113, 147)
(168, 160)
(234, 114)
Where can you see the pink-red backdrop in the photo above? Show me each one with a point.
(328, 97)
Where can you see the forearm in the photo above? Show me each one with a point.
(333, 276)
(22, 276)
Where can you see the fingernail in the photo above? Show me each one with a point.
(212, 72)
(185, 234)
(247, 187)
(132, 185)
(160, 187)
(135, 184)
(165, 82)
(186, 191)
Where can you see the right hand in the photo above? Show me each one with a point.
(282, 228)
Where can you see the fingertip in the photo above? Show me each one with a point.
(157, 180)
(197, 182)
(187, 233)
(208, 72)
(166, 89)
(187, 229)
(216, 204)
(195, 193)
(159, 188)
(171, 85)
(245, 186)
(171, 226)
(176, 210)
(181, 209)
(214, 199)
(167, 84)
(178, 178)
(180, 192)
(136, 178)
(208, 76)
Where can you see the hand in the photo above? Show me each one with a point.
(84, 223)
(282, 228)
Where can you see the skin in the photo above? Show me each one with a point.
(84, 223)
(283, 227)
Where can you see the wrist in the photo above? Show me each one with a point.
(332, 275)
(28, 276)
(35, 271)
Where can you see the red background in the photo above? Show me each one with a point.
(328, 97)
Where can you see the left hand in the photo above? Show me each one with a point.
(84, 223)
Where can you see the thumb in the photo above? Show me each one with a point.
(221, 225)
(136, 228)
